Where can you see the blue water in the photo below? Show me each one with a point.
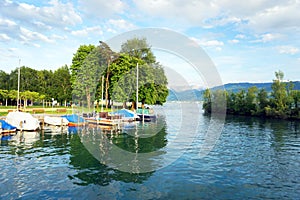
(252, 159)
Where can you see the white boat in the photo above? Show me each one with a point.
(56, 121)
(23, 121)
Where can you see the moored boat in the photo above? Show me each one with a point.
(56, 121)
(75, 120)
(125, 115)
(7, 128)
(146, 115)
(23, 121)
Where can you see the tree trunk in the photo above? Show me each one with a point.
(107, 85)
(133, 105)
(88, 98)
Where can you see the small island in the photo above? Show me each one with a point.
(282, 102)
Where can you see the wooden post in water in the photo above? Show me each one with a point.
(43, 123)
(21, 126)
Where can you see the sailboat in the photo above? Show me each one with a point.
(23, 121)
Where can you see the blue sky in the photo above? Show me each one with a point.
(247, 42)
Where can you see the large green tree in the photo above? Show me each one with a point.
(262, 101)
(152, 81)
(45, 86)
(62, 85)
(108, 56)
(279, 95)
(139, 48)
(88, 73)
(4, 80)
(77, 61)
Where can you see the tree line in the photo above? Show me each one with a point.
(282, 102)
(35, 85)
(96, 72)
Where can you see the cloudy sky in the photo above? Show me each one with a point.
(247, 42)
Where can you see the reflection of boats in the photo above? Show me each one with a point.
(74, 129)
(25, 137)
(55, 130)
(7, 128)
(23, 121)
(103, 121)
(74, 120)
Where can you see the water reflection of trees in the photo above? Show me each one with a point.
(93, 141)
(279, 130)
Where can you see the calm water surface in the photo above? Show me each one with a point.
(253, 159)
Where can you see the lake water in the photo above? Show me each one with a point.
(252, 159)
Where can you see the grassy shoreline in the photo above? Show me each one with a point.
(4, 110)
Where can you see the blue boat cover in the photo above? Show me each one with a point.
(73, 118)
(124, 113)
(6, 126)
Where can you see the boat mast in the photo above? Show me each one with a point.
(137, 85)
(102, 85)
(18, 99)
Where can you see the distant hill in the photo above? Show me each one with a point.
(196, 95)
(235, 87)
(186, 95)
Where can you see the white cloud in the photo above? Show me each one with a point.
(121, 24)
(268, 37)
(211, 43)
(214, 44)
(288, 50)
(59, 37)
(12, 49)
(87, 31)
(240, 36)
(256, 16)
(56, 14)
(277, 17)
(28, 36)
(245, 9)
(4, 37)
(192, 12)
(7, 22)
(102, 8)
(32, 24)
(234, 41)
